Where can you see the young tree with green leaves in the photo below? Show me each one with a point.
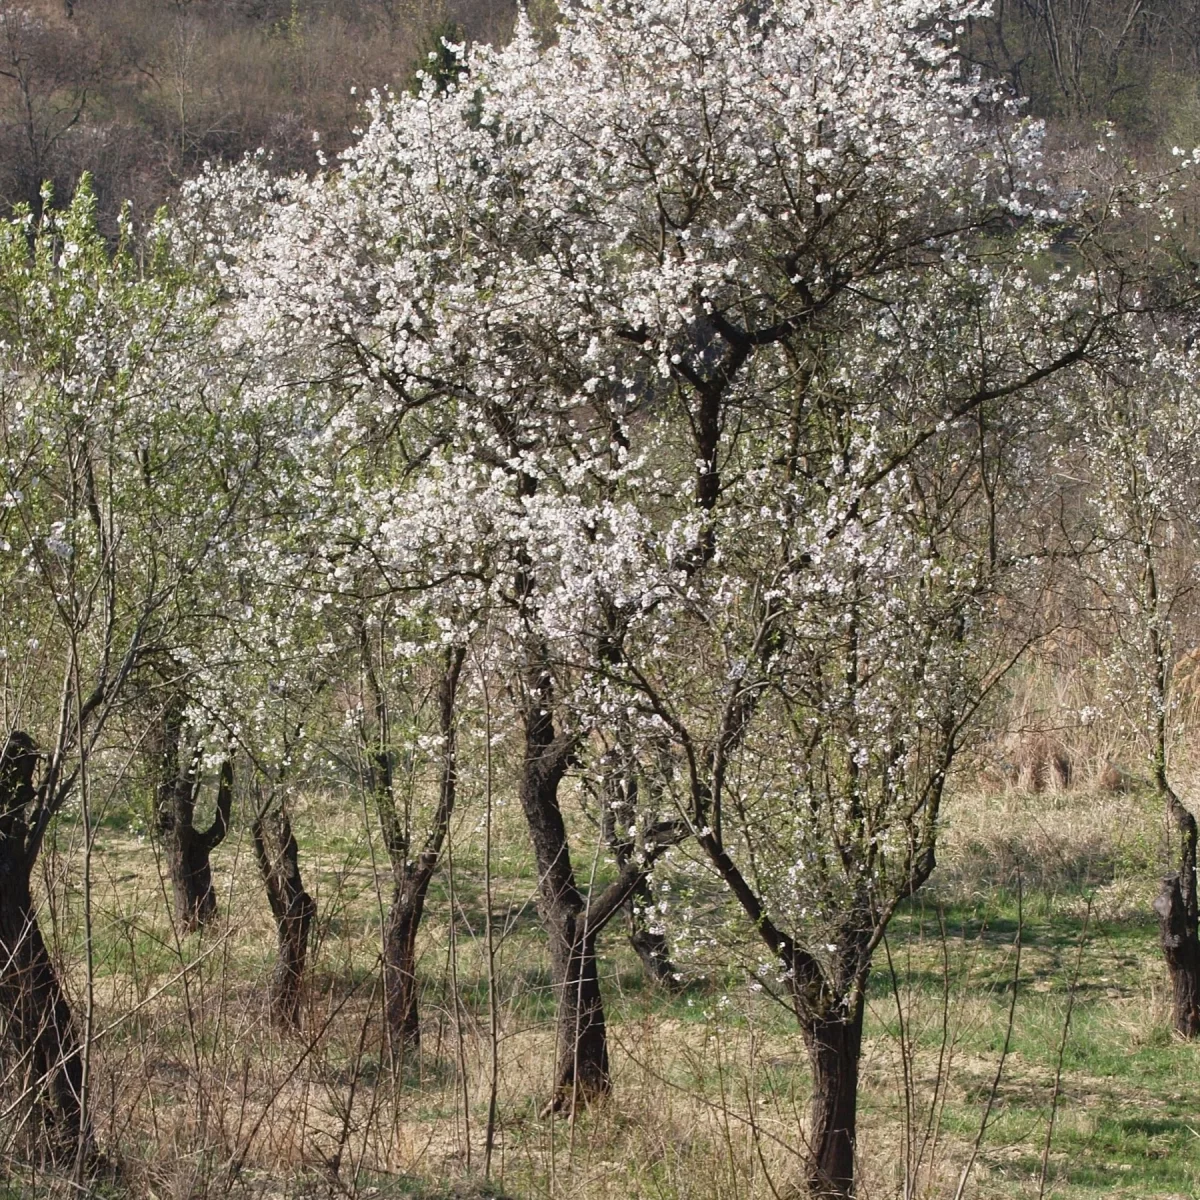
(110, 439)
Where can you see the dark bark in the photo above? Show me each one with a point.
(1179, 918)
(830, 1023)
(581, 1054)
(293, 908)
(411, 876)
(648, 943)
(187, 849)
(620, 815)
(832, 1028)
(1182, 953)
(834, 1043)
(582, 1070)
(829, 1001)
(573, 921)
(39, 1033)
(400, 985)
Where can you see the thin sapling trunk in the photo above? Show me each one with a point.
(411, 876)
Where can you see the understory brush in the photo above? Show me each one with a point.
(196, 1094)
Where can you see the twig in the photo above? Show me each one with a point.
(1062, 1047)
(1012, 1009)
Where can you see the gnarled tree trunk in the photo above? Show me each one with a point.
(582, 1070)
(39, 1034)
(830, 999)
(1179, 920)
(581, 1052)
(187, 849)
(293, 909)
(572, 920)
(400, 985)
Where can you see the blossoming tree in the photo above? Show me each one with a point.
(1135, 449)
(117, 475)
(713, 337)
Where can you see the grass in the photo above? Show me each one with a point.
(196, 1094)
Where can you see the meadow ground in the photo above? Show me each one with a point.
(196, 1095)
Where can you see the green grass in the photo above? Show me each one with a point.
(1124, 1117)
(711, 1083)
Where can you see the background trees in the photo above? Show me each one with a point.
(1083, 62)
(141, 94)
(90, 345)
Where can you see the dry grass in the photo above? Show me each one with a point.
(197, 1095)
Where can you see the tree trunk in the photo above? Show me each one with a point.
(582, 1073)
(38, 1030)
(1179, 918)
(650, 945)
(293, 909)
(1182, 951)
(191, 878)
(400, 958)
(39, 1026)
(188, 849)
(834, 1044)
(410, 876)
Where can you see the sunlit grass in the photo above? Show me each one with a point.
(196, 1094)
